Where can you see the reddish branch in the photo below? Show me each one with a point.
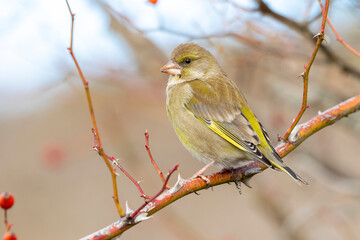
(97, 142)
(324, 119)
(244, 173)
(185, 187)
(338, 37)
(304, 30)
(305, 74)
(100, 150)
(135, 213)
(7, 225)
(147, 146)
(116, 162)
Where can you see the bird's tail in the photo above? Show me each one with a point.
(291, 173)
(278, 164)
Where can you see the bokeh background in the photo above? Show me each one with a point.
(63, 189)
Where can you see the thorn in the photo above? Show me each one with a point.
(238, 186)
(294, 135)
(178, 185)
(246, 182)
(324, 39)
(128, 210)
(252, 171)
(302, 75)
(318, 35)
(197, 193)
(307, 106)
(141, 217)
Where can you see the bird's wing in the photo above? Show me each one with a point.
(225, 115)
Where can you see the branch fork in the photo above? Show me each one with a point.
(305, 74)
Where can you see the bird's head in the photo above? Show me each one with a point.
(189, 61)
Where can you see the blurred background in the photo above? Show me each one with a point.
(63, 189)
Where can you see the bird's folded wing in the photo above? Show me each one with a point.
(222, 113)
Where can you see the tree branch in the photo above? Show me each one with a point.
(305, 74)
(184, 187)
(99, 147)
(305, 31)
(338, 37)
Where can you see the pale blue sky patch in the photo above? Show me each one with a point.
(34, 34)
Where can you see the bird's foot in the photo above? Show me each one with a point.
(203, 177)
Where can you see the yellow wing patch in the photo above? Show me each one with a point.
(224, 133)
(233, 139)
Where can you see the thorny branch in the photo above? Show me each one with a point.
(305, 75)
(97, 142)
(184, 187)
(164, 187)
(338, 37)
(304, 30)
(92, 114)
(116, 163)
(147, 146)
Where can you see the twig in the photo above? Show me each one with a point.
(92, 114)
(164, 187)
(304, 30)
(338, 37)
(6, 220)
(324, 119)
(305, 74)
(244, 173)
(116, 163)
(147, 146)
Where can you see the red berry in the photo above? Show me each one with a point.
(9, 236)
(152, 1)
(6, 200)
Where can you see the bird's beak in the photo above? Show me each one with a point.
(171, 68)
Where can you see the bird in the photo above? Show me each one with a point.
(211, 116)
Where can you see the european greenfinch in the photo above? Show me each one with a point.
(210, 115)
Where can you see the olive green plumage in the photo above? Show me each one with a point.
(211, 116)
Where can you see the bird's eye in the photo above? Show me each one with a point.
(187, 60)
